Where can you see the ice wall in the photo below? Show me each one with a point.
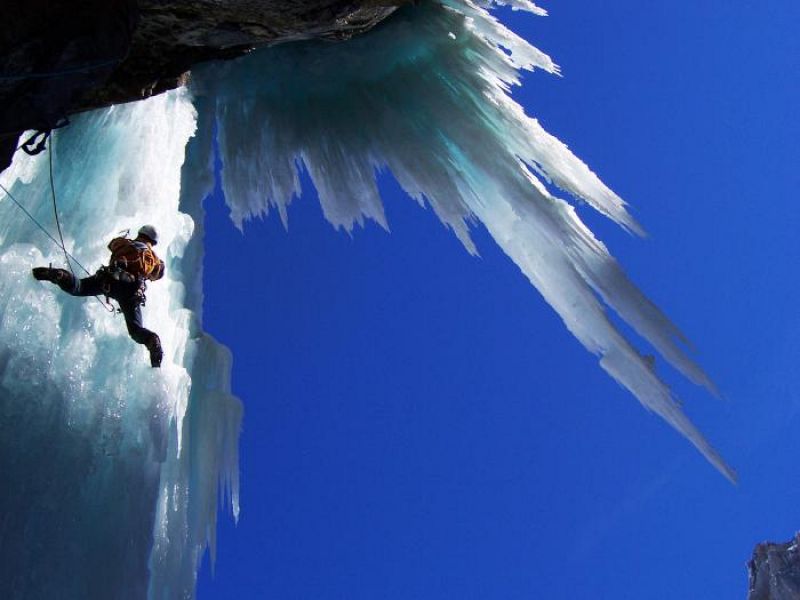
(109, 470)
(425, 95)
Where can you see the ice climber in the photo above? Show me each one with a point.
(132, 264)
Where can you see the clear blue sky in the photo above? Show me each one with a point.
(419, 424)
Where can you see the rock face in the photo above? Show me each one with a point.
(775, 571)
(59, 58)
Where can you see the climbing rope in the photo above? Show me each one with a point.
(39, 225)
(62, 72)
(55, 205)
(67, 255)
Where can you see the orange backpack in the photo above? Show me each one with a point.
(136, 257)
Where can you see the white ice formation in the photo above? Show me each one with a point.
(426, 96)
(109, 466)
(110, 470)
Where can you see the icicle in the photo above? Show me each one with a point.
(426, 96)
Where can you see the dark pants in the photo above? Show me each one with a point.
(123, 292)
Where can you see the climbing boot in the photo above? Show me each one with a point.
(61, 277)
(50, 274)
(156, 352)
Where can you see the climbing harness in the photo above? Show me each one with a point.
(116, 273)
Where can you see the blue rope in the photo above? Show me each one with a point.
(62, 72)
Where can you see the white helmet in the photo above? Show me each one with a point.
(150, 233)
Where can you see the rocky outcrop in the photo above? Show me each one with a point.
(59, 58)
(775, 571)
(50, 53)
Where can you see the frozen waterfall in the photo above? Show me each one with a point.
(110, 466)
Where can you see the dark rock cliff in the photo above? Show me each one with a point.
(775, 571)
(59, 58)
